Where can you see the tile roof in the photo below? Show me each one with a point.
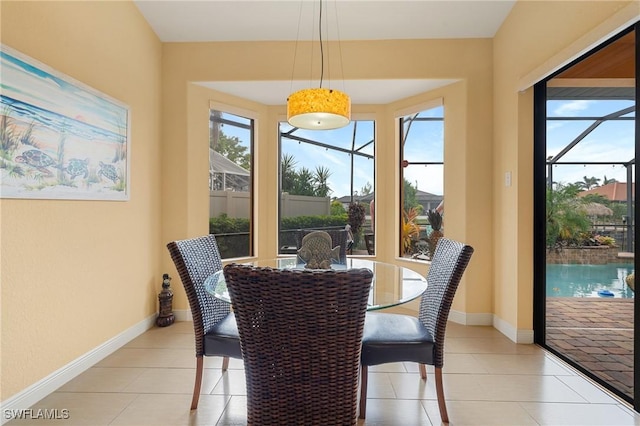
(616, 191)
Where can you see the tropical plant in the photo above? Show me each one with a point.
(567, 221)
(366, 189)
(321, 181)
(231, 147)
(409, 197)
(410, 229)
(356, 216)
(588, 182)
(337, 208)
(435, 221)
(288, 170)
(304, 183)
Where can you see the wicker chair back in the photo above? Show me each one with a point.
(300, 333)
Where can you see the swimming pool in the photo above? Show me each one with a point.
(587, 280)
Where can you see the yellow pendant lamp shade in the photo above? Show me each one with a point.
(318, 109)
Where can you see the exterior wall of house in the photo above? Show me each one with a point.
(536, 39)
(77, 273)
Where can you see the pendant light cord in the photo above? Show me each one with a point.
(321, 48)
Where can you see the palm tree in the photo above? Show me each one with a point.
(606, 181)
(320, 179)
(566, 219)
(303, 184)
(287, 168)
(588, 182)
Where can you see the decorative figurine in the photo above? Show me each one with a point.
(165, 297)
(316, 251)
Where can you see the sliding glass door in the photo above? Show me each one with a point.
(586, 138)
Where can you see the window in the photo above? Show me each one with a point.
(325, 174)
(230, 183)
(422, 177)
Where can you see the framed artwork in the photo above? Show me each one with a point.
(59, 139)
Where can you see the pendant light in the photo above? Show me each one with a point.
(319, 108)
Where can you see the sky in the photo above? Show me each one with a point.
(612, 141)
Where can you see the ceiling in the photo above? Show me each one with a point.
(278, 20)
(608, 73)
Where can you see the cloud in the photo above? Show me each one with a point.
(569, 107)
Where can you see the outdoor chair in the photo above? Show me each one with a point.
(214, 324)
(300, 333)
(403, 338)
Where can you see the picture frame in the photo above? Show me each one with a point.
(59, 138)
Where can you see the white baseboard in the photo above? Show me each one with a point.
(183, 315)
(34, 393)
(464, 318)
(517, 336)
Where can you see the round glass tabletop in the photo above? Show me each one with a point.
(392, 284)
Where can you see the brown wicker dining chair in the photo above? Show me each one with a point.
(300, 333)
(214, 324)
(399, 338)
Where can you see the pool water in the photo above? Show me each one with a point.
(588, 280)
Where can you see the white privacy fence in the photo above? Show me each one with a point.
(237, 203)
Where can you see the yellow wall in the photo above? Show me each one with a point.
(77, 273)
(468, 127)
(536, 39)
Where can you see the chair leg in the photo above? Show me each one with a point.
(363, 391)
(225, 363)
(440, 393)
(423, 371)
(196, 387)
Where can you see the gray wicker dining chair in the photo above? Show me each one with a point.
(399, 338)
(214, 324)
(300, 333)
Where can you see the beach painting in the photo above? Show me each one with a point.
(59, 139)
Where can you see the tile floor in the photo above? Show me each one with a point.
(488, 380)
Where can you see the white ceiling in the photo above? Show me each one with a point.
(244, 20)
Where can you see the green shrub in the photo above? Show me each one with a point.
(238, 245)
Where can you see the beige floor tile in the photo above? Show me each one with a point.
(508, 388)
(232, 383)
(411, 386)
(395, 412)
(172, 410)
(521, 364)
(487, 380)
(172, 380)
(481, 413)
(588, 390)
(459, 330)
(140, 357)
(579, 414)
(379, 386)
(179, 327)
(99, 379)
(189, 361)
(159, 338)
(470, 345)
(460, 364)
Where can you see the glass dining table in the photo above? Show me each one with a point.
(392, 285)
